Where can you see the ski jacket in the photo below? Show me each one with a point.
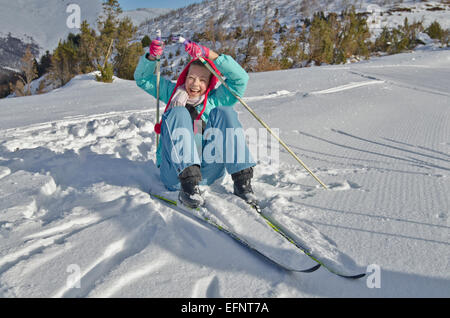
(236, 79)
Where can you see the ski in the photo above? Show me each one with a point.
(201, 214)
(277, 227)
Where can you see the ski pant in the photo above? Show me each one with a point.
(222, 147)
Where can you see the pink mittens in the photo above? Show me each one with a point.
(156, 48)
(193, 49)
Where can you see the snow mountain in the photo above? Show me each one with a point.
(141, 15)
(44, 22)
(229, 14)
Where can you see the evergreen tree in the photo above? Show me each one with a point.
(127, 56)
(353, 37)
(320, 40)
(383, 41)
(250, 49)
(108, 24)
(398, 39)
(146, 41)
(410, 32)
(435, 31)
(44, 64)
(268, 43)
(64, 63)
(87, 51)
(74, 39)
(106, 73)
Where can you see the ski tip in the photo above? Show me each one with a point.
(312, 269)
(357, 276)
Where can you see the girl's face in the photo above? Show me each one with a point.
(197, 81)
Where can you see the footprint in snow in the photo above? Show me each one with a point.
(206, 287)
(346, 185)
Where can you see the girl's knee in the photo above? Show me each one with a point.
(224, 113)
(177, 117)
(177, 112)
(223, 110)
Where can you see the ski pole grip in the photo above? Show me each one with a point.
(158, 37)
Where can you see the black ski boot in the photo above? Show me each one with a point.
(243, 187)
(190, 194)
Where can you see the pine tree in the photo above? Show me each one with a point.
(64, 62)
(146, 41)
(108, 24)
(383, 41)
(129, 61)
(398, 39)
(44, 64)
(352, 39)
(291, 50)
(106, 73)
(106, 69)
(410, 32)
(335, 26)
(320, 40)
(127, 56)
(87, 52)
(268, 43)
(250, 49)
(435, 31)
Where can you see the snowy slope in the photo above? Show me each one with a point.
(75, 165)
(141, 15)
(230, 14)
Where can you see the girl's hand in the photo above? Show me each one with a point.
(193, 49)
(156, 48)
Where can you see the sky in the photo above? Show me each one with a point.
(173, 4)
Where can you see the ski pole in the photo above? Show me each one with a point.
(158, 77)
(261, 121)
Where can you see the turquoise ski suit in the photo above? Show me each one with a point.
(219, 115)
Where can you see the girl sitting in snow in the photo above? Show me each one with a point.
(192, 100)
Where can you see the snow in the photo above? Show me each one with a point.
(228, 15)
(252, 13)
(141, 15)
(76, 163)
(45, 24)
